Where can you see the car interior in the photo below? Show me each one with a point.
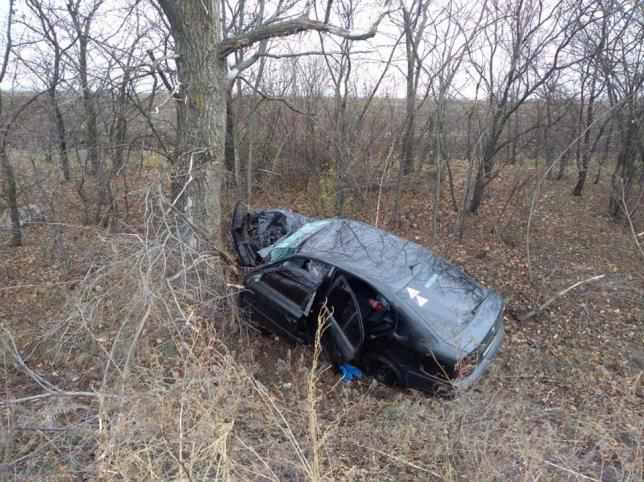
(362, 313)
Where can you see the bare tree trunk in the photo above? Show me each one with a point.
(621, 180)
(201, 112)
(604, 159)
(513, 128)
(91, 129)
(252, 134)
(12, 197)
(584, 153)
(474, 202)
(8, 173)
(62, 136)
(407, 144)
(563, 164)
(119, 137)
(547, 141)
(438, 164)
(230, 139)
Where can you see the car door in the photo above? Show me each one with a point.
(345, 333)
(282, 295)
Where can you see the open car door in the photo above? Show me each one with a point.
(345, 333)
(283, 296)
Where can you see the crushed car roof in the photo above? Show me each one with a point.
(409, 271)
(367, 251)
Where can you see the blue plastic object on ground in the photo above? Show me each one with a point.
(350, 373)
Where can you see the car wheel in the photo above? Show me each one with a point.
(385, 372)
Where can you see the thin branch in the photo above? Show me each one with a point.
(570, 471)
(563, 292)
(265, 96)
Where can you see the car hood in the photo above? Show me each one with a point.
(457, 309)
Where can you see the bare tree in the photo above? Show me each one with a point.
(522, 46)
(201, 69)
(82, 18)
(52, 68)
(622, 64)
(413, 22)
(591, 43)
(452, 41)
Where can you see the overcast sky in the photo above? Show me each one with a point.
(367, 65)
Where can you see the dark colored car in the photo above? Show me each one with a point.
(401, 314)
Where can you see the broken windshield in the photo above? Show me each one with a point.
(288, 245)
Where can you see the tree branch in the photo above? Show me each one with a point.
(292, 27)
(542, 307)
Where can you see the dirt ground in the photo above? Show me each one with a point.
(563, 401)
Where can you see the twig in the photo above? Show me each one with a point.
(542, 307)
(382, 179)
(40, 285)
(400, 461)
(50, 390)
(570, 471)
(188, 182)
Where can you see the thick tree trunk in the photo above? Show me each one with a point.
(201, 112)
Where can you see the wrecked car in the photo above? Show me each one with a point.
(398, 312)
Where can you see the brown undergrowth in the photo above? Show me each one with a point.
(121, 360)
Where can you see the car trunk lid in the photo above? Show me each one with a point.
(444, 296)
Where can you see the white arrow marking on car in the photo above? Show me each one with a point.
(415, 295)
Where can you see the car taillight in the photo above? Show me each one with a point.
(466, 365)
